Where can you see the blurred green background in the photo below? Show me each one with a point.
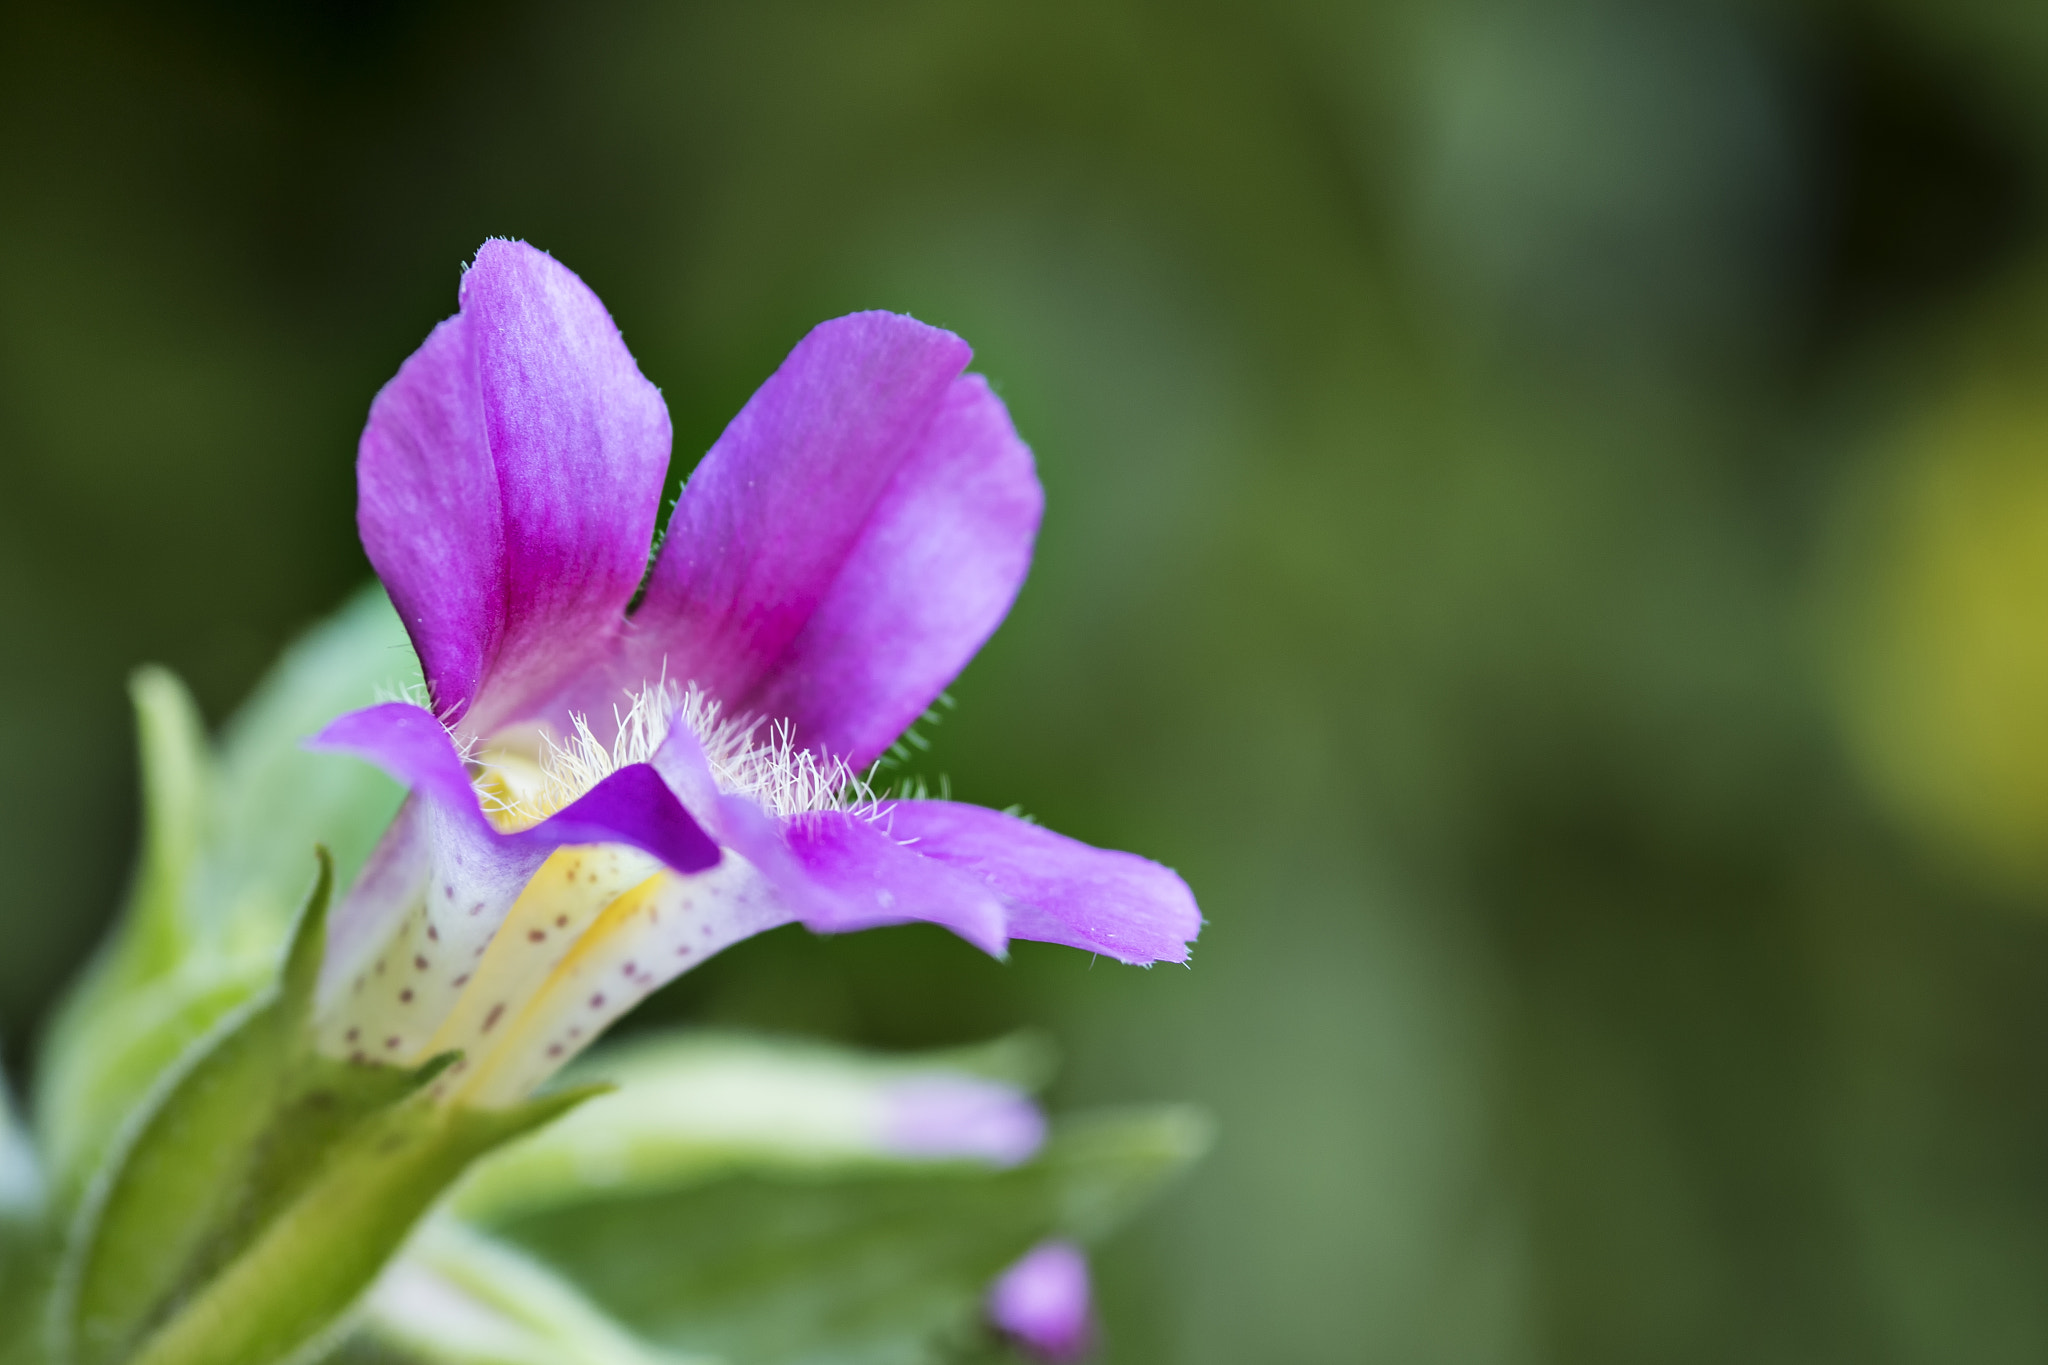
(1548, 531)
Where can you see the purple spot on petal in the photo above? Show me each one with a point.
(405, 996)
(597, 1001)
(491, 1019)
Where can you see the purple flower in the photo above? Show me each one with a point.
(1043, 1301)
(603, 797)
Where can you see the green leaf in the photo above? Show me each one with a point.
(263, 1190)
(220, 876)
(148, 996)
(868, 1266)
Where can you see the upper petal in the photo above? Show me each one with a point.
(509, 481)
(1056, 889)
(933, 574)
(581, 442)
(428, 510)
(803, 550)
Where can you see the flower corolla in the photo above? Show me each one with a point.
(619, 769)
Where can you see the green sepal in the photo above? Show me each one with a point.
(177, 793)
(865, 1266)
(296, 1276)
(224, 834)
(150, 996)
(263, 1188)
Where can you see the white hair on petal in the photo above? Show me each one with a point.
(771, 769)
(572, 767)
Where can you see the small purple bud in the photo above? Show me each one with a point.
(1043, 1302)
(961, 1116)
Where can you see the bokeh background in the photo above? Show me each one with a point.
(1548, 531)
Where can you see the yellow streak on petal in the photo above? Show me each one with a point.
(565, 898)
(518, 1058)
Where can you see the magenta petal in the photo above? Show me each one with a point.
(427, 508)
(680, 761)
(787, 497)
(581, 444)
(741, 825)
(1056, 889)
(631, 806)
(508, 481)
(872, 880)
(408, 743)
(931, 577)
